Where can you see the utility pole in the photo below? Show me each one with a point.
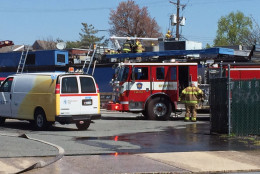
(178, 5)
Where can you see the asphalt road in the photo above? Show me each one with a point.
(114, 133)
(124, 143)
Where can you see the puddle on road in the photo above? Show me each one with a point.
(193, 137)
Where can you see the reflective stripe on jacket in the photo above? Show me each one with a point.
(139, 47)
(127, 46)
(191, 95)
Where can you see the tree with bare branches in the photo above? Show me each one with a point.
(131, 20)
(254, 36)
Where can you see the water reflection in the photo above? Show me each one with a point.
(193, 137)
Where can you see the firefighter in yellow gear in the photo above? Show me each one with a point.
(138, 47)
(127, 46)
(190, 96)
(168, 35)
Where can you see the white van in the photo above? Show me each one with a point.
(43, 98)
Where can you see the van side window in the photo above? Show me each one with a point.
(69, 85)
(6, 86)
(87, 85)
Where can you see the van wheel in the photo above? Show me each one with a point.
(83, 125)
(40, 122)
(159, 108)
(2, 120)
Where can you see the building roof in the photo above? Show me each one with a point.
(11, 48)
(44, 45)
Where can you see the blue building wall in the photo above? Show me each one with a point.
(103, 75)
(42, 58)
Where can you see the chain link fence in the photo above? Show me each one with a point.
(244, 107)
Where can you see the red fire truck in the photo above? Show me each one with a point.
(238, 71)
(151, 88)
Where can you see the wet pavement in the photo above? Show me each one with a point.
(174, 148)
(194, 137)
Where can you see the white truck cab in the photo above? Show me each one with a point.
(43, 98)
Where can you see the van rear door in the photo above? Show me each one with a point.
(70, 100)
(89, 95)
(78, 95)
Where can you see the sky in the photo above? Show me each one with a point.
(24, 21)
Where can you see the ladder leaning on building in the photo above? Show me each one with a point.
(22, 60)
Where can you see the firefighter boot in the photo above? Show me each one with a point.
(193, 119)
(186, 118)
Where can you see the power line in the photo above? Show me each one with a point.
(206, 2)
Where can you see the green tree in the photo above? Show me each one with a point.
(87, 37)
(207, 45)
(73, 44)
(233, 29)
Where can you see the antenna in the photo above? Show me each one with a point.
(61, 45)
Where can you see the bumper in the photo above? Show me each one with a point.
(114, 107)
(67, 119)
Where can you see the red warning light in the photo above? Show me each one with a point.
(6, 43)
(116, 138)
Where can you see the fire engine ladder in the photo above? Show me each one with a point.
(86, 58)
(91, 60)
(22, 61)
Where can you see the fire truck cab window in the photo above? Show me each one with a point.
(173, 74)
(123, 74)
(160, 73)
(141, 73)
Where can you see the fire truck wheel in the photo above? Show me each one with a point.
(159, 108)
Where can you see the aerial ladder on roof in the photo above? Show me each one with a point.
(22, 60)
(84, 65)
(91, 60)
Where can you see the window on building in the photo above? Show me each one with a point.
(61, 58)
(30, 59)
